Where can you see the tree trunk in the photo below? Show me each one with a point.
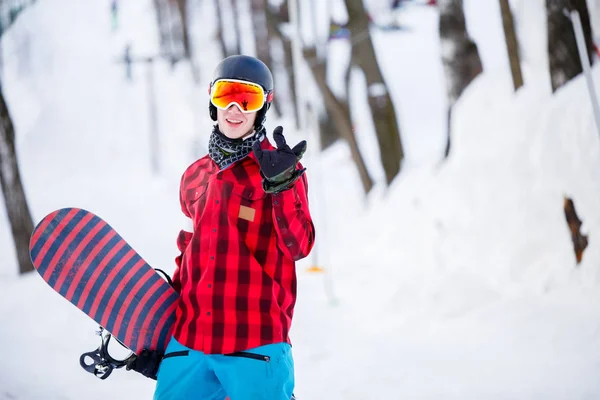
(272, 35)
(219, 22)
(261, 33)
(274, 20)
(328, 132)
(170, 29)
(12, 188)
(159, 22)
(460, 56)
(182, 6)
(338, 117)
(184, 14)
(563, 55)
(340, 112)
(262, 39)
(380, 102)
(512, 44)
(235, 7)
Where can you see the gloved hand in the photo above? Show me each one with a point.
(146, 363)
(278, 167)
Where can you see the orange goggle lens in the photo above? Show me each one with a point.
(249, 97)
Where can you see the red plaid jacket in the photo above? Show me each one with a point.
(236, 273)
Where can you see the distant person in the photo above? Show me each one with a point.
(128, 60)
(114, 14)
(236, 274)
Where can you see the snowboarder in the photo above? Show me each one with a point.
(236, 275)
(114, 14)
(127, 59)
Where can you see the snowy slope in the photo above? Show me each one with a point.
(458, 282)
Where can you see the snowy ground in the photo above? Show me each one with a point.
(458, 282)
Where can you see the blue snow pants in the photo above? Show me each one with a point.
(261, 373)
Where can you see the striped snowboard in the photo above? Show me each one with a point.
(87, 262)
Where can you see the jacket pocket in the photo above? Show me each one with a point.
(183, 353)
(173, 354)
(248, 201)
(249, 193)
(192, 194)
(253, 356)
(194, 199)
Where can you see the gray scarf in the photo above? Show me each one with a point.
(225, 151)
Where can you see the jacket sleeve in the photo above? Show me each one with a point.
(293, 224)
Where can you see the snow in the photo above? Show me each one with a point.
(457, 282)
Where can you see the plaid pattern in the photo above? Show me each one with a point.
(236, 272)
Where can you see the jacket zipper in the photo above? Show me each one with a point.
(177, 354)
(245, 354)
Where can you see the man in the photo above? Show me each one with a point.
(236, 273)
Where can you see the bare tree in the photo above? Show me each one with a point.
(340, 112)
(169, 28)
(328, 132)
(235, 7)
(338, 109)
(182, 7)
(337, 122)
(512, 44)
(15, 200)
(275, 18)
(14, 196)
(380, 102)
(262, 38)
(563, 55)
(260, 29)
(162, 32)
(219, 21)
(460, 56)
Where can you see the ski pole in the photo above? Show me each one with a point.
(585, 63)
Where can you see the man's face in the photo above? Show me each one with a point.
(233, 123)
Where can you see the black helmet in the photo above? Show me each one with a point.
(245, 68)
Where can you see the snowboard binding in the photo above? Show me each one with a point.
(103, 363)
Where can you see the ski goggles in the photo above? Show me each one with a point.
(248, 96)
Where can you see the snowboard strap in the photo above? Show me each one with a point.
(102, 363)
(167, 277)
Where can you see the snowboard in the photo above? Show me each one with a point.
(88, 263)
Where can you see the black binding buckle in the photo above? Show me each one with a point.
(103, 364)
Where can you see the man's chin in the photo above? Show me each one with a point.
(235, 132)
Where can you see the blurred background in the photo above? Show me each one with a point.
(454, 179)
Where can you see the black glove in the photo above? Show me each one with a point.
(278, 167)
(146, 363)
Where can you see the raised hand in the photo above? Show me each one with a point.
(279, 167)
